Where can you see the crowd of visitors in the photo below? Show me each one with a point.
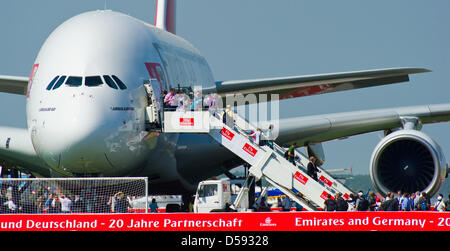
(179, 100)
(52, 202)
(370, 202)
(391, 202)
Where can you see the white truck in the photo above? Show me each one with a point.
(220, 196)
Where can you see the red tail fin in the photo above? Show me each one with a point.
(165, 15)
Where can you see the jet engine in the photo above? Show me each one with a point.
(408, 160)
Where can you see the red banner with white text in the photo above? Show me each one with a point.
(281, 221)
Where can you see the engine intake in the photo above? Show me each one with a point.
(408, 160)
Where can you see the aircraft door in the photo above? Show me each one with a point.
(155, 104)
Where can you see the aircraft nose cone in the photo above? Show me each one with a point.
(72, 136)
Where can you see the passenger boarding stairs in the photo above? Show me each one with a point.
(265, 162)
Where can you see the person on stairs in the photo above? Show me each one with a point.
(312, 169)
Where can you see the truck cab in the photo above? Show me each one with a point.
(212, 195)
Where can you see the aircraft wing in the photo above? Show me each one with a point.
(299, 86)
(286, 87)
(13, 84)
(319, 128)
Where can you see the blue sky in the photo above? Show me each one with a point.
(244, 39)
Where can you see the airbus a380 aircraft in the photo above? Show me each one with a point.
(86, 110)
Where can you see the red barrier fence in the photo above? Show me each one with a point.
(287, 221)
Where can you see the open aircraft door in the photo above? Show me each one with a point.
(154, 114)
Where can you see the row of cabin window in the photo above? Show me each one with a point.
(112, 81)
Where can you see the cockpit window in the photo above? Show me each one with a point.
(119, 82)
(59, 83)
(110, 82)
(93, 81)
(74, 81)
(89, 81)
(49, 87)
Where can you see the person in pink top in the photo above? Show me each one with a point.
(169, 100)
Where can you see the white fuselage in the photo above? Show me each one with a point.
(89, 128)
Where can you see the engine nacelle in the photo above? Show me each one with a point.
(410, 161)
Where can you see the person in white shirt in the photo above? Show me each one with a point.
(257, 136)
(439, 205)
(11, 205)
(66, 204)
(416, 199)
(269, 136)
